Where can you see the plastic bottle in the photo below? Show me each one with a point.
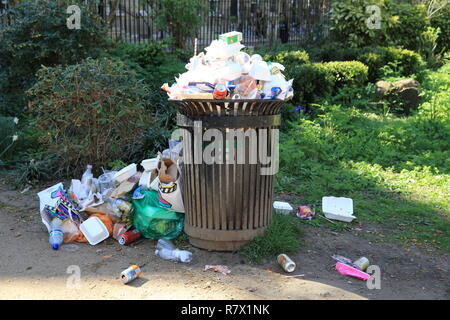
(167, 251)
(87, 177)
(56, 235)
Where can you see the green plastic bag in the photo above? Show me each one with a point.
(154, 221)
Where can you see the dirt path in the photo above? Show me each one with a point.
(29, 269)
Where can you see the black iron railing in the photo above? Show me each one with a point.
(263, 22)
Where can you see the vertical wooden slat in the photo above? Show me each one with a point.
(223, 186)
(216, 207)
(203, 193)
(198, 209)
(245, 186)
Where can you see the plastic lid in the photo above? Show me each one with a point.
(55, 246)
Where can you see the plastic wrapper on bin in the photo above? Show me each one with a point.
(224, 64)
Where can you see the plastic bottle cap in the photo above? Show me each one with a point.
(55, 246)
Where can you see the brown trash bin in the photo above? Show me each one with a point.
(226, 205)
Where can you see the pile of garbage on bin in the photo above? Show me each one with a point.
(126, 204)
(226, 72)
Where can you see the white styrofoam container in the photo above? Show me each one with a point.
(282, 207)
(125, 173)
(338, 208)
(94, 230)
(150, 164)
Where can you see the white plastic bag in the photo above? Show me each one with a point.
(49, 197)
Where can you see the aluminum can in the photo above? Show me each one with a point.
(129, 237)
(130, 274)
(286, 263)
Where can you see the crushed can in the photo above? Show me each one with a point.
(130, 274)
(286, 263)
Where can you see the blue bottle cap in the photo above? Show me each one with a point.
(55, 246)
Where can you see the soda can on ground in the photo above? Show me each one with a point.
(286, 263)
(129, 237)
(129, 274)
(362, 263)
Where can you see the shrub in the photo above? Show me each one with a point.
(312, 81)
(148, 53)
(401, 23)
(345, 73)
(441, 21)
(332, 51)
(92, 112)
(401, 62)
(290, 59)
(38, 37)
(410, 22)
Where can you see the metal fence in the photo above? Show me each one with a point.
(263, 22)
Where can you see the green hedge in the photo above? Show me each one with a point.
(403, 62)
(312, 81)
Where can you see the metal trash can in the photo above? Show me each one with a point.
(228, 202)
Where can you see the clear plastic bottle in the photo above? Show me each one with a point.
(167, 251)
(87, 177)
(56, 234)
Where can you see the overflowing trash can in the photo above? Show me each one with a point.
(228, 198)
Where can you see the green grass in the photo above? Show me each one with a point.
(396, 169)
(282, 236)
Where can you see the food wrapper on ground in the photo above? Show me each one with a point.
(351, 271)
(218, 268)
(53, 202)
(71, 232)
(304, 212)
(103, 208)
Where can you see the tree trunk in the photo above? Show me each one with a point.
(112, 12)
